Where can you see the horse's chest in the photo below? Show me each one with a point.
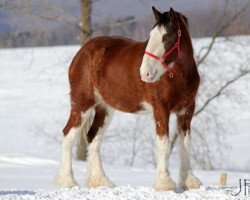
(176, 97)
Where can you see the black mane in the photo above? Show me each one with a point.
(164, 20)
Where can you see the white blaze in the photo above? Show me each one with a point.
(151, 66)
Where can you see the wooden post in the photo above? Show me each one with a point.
(223, 179)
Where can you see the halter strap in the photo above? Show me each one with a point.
(162, 58)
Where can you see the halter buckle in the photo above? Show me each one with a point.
(171, 75)
(179, 33)
(161, 59)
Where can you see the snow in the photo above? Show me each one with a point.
(119, 193)
(34, 108)
(33, 179)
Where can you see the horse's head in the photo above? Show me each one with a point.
(163, 45)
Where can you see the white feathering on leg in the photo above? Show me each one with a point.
(95, 174)
(186, 178)
(163, 181)
(64, 176)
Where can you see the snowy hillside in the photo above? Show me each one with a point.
(35, 105)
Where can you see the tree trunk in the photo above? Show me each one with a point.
(85, 25)
(85, 21)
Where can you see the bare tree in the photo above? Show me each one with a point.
(85, 26)
(221, 27)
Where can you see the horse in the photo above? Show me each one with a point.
(158, 76)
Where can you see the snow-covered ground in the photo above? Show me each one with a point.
(34, 108)
(24, 177)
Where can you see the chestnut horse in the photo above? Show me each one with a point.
(158, 76)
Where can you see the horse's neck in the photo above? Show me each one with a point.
(142, 49)
(187, 64)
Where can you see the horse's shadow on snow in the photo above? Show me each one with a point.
(180, 190)
(17, 192)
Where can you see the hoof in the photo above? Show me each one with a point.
(65, 181)
(164, 183)
(191, 182)
(103, 181)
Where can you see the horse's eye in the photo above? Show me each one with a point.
(164, 37)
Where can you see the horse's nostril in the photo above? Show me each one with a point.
(148, 74)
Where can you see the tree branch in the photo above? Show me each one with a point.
(220, 29)
(219, 92)
(129, 21)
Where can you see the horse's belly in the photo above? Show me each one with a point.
(122, 102)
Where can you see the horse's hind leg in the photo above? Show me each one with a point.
(95, 174)
(187, 180)
(79, 123)
(82, 103)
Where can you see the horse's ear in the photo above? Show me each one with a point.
(157, 14)
(185, 20)
(171, 14)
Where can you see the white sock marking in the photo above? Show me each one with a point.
(95, 172)
(185, 147)
(65, 177)
(186, 176)
(162, 154)
(163, 180)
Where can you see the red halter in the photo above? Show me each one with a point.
(165, 55)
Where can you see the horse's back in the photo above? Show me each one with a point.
(111, 40)
(103, 52)
(113, 44)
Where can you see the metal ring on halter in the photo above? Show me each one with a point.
(161, 59)
(179, 33)
(171, 75)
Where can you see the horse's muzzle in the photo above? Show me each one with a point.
(149, 77)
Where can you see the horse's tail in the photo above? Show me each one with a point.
(88, 123)
(173, 141)
(82, 143)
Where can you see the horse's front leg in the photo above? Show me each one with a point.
(187, 180)
(163, 180)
